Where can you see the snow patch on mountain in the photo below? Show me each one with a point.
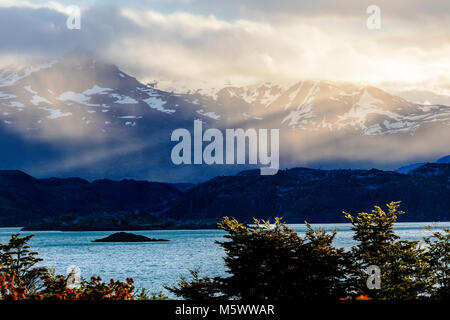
(154, 101)
(158, 104)
(75, 97)
(12, 74)
(6, 96)
(16, 104)
(366, 105)
(97, 90)
(210, 114)
(130, 117)
(299, 117)
(122, 99)
(55, 113)
(28, 88)
(36, 100)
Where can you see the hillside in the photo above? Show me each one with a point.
(25, 200)
(318, 195)
(299, 194)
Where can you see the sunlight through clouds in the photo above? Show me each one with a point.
(237, 42)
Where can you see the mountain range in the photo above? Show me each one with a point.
(318, 196)
(297, 194)
(25, 199)
(81, 116)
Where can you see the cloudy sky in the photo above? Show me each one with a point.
(243, 41)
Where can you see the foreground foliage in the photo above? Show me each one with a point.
(20, 279)
(271, 261)
(405, 273)
(267, 261)
(18, 262)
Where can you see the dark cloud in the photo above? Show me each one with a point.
(188, 39)
(43, 31)
(32, 31)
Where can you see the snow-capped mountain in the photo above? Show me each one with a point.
(80, 115)
(314, 105)
(80, 94)
(91, 94)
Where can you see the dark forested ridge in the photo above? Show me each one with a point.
(299, 194)
(24, 199)
(318, 195)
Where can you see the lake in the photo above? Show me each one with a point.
(155, 264)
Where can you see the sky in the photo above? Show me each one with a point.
(210, 42)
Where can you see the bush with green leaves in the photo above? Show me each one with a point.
(404, 271)
(17, 259)
(197, 288)
(271, 261)
(437, 256)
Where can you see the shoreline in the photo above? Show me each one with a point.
(192, 228)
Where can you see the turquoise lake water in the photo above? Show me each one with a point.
(156, 264)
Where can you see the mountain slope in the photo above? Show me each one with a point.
(318, 195)
(81, 116)
(296, 194)
(409, 168)
(315, 105)
(81, 95)
(24, 199)
(445, 159)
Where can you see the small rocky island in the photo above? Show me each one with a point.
(127, 237)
